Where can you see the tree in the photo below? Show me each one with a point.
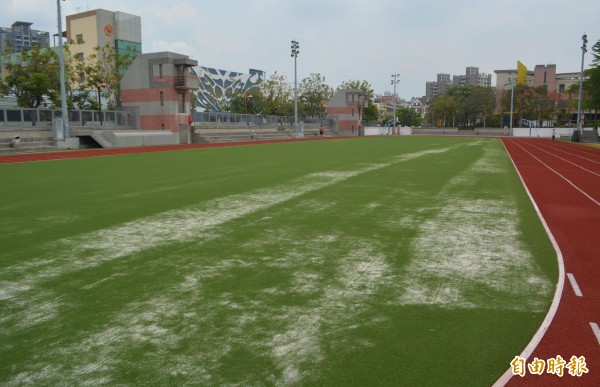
(104, 70)
(277, 94)
(370, 111)
(473, 103)
(444, 107)
(531, 103)
(592, 82)
(408, 117)
(33, 78)
(249, 101)
(313, 95)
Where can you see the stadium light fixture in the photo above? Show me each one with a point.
(579, 118)
(61, 64)
(395, 81)
(295, 52)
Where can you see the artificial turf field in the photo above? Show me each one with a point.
(373, 261)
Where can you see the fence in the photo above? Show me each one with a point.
(234, 119)
(12, 118)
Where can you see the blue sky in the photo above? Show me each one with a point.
(351, 39)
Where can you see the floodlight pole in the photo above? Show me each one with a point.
(295, 52)
(395, 81)
(61, 63)
(583, 51)
(512, 99)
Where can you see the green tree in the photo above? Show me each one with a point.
(249, 101)
(408, 117)
(278, 95)
(531, 103)
(313, 94)
(591, 84)
(443, 107)
(473, 103)
(104, 70)
(33, 78)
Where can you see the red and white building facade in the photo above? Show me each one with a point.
(346, 110)
(158, 86)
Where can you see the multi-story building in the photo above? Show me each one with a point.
(20, 37)
(100, 27)
(472, 77)
(542, 75)
(217, 86)
(437, 87)
(159, 87)
(346, 109)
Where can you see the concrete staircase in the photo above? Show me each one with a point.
(589, 136)
(102, 139)
(239, 136)
(27, 144)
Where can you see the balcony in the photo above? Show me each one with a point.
(183, 82)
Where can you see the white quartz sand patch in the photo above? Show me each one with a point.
(473, 245)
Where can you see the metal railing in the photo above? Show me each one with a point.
(238, 120)
(21, 118)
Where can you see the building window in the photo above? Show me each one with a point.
(79, 38)
(352, 112)
(160, 70)
(561, 88)
(181, 103)
(162, 98)
(79, 56)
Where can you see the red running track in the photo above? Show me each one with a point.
(564, 181)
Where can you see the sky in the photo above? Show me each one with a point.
(346, 40)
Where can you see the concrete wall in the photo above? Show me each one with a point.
(544, 132)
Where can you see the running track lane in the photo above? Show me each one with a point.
(564, 181)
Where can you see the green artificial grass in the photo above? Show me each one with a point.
(376, 261)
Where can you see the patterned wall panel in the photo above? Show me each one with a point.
(216, 86)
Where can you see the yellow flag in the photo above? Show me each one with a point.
(521, 73)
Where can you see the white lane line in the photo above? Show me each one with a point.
(596, 330)
(560, 149)
(565, 160)
(539, 334)
(561, 176)
(574, 285)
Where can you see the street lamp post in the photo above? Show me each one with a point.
(61, 63)
(395, 81)
(583, 51)
(295, 52)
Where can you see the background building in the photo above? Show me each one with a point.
(437, 87)
(346, 108)
(217, 86)
(98, 27)
(20, 37)
(542, 75)
(472, 77)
